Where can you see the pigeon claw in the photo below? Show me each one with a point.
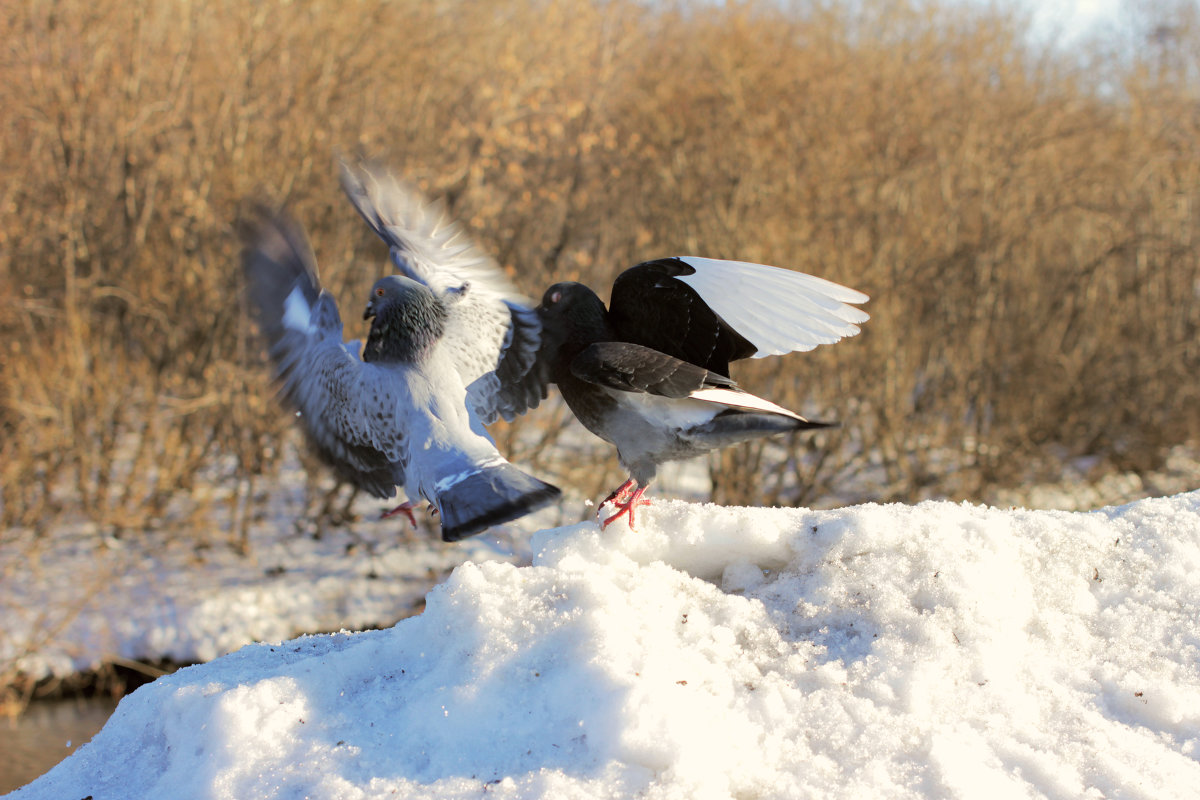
(621, 493)
(404, 508)
(626, 502)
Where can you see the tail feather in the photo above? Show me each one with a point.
(491, 495)
(735, 425)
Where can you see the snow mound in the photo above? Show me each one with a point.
(936, 650)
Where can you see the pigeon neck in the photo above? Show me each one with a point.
(586, 323)
(404, 333)
(589, 322)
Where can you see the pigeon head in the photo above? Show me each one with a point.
(574, 314)
(572, 318)
(407, 319)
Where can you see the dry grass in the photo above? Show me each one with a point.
(1028, 235)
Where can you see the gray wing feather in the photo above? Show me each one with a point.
(492, 332)
(347, 408)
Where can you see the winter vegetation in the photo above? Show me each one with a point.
(1025, 223)
(1024, 218)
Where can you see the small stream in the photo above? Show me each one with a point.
(46, 733)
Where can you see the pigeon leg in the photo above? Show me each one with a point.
(626, 505)
(621, 493)
(404, 508)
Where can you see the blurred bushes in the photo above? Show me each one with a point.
(1027, 230)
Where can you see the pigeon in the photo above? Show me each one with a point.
(449, 349)
(650, 373)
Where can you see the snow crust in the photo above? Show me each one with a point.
(937, 650)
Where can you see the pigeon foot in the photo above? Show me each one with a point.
(626, 502)
(621, 493)
(404, 508)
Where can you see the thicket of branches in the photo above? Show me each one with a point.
(1027, 229)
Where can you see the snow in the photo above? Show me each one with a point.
(930, 650)
(81, 598)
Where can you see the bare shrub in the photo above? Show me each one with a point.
(1028, 235)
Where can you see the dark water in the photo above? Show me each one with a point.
(45, 734)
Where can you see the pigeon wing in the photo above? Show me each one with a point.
(641, 370)
(347, 408)
(633, 368)
(492, 331)
(713, 312)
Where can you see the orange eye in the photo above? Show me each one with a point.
(379, 292)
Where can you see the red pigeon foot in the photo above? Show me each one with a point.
(621, 493)
(626, 505)
(404, 508)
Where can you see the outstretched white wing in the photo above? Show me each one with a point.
(777, 310)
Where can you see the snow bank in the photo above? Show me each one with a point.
(936, 650)
(84, 599)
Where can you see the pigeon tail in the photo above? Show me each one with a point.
(735, 425)
(496, 492)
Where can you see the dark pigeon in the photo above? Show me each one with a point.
(650, 373)
(446, 352)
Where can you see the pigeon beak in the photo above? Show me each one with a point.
(370, 310)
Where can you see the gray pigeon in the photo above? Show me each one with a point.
(448, 350)
(650, 373)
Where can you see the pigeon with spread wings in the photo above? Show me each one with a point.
(650, 373)
(410, 410)
(494, 333)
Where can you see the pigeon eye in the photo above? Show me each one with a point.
(555, 297)
(379, 292)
